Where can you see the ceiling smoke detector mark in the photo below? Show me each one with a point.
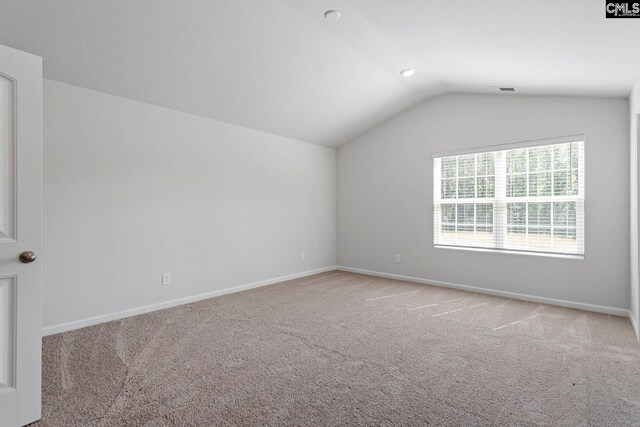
(408, 72)
(332, 15)
(507, 89)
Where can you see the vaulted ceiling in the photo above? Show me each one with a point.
(279, 66)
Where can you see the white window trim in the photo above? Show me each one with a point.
(512, 145)
(500, 192)
(510, 251)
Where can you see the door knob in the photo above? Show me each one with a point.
(27, 257)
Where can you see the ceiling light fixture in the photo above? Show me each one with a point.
(332, 15)
(408, 72)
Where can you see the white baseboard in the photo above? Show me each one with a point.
(64, 327)
(76, 324)
(634, 323)
(543, 300)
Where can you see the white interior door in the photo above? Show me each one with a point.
(20, 231)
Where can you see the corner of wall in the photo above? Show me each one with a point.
(634, 111)
(634, 323)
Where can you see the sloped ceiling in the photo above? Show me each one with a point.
(280, 67)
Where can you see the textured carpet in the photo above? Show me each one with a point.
(345, 349)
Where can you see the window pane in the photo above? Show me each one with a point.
(449, 190)
(465, 221)
(573, 184)
(561, 183)
(564, 233)
(564, 213)
(575, 152)
(571, 213)
(486, 187)
(539, 159)
(467, 165)
(448, 213)
(539, 214)
(466, 188)
(466, 213)
(517, 161)
(516, 213)
(540, 184)
(517, 185)
(561, 157)
(486, 163)
(449, 167)
(484, 213)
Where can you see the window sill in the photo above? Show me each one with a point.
(511, 252)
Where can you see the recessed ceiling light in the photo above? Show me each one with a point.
(332, 15)
(408, 72)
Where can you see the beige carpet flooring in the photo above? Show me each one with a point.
(345, 349)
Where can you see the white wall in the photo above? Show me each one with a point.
(385, 194)
(634, 109)
(134, 190)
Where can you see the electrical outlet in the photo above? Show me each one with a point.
(166, 279)
(301, 256)
(397, 258)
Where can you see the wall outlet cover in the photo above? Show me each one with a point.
(166, 279)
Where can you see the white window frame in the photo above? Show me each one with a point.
(500, 200)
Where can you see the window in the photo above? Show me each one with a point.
(521, 197)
